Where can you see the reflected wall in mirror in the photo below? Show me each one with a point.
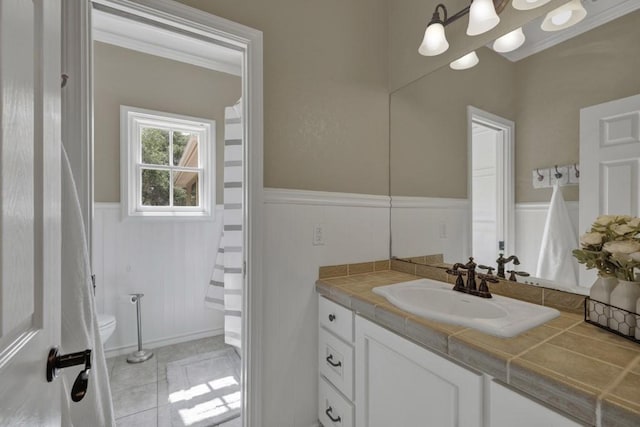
(542, 94)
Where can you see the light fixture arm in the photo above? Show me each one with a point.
(447, 20)
(499, 5)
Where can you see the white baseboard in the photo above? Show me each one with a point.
(117, 351)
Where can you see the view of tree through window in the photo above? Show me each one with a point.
(160, 173)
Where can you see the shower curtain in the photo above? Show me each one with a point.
(227, 280)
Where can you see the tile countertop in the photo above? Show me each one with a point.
(571, 365)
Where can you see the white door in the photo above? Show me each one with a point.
(29, 210)
(491, 184)
(508, 408)
(399, 383)
(609, 162)
(486, 159)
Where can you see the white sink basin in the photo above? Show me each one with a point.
(500, 316)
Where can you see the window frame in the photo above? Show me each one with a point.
(132, 121)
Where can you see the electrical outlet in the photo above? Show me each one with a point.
(318, 235)
(442, 229)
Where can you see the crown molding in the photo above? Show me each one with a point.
(590, 22)
(121, 31)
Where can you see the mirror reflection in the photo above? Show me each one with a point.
(467, 146)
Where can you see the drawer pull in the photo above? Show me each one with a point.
(328, 412)
(330, 361)
(332, 317)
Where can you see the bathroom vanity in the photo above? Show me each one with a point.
(381, 366)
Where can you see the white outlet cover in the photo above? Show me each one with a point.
(318, 235)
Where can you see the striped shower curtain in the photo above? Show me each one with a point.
(227, 281)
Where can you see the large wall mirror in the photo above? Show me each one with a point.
(465, 145)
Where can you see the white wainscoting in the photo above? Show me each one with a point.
(356, 229)
(530, 220)
(429, 225)
(422, 225)
(170, 262)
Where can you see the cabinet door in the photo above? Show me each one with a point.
(509, 408)
(399, 383)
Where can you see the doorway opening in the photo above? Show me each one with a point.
(175, 67)
(490, 183)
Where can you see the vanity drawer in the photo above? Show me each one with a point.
(336, 362)
(336, 319)
(333, 409)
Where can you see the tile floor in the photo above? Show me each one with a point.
(140, 391)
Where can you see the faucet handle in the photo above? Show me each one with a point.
(513, 274)
(486, 267)
(489, 278)
(483, 290)
(459, 286)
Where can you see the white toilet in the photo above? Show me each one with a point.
(106, 324)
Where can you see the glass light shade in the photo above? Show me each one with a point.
(434, 42)
(482, 17)
(467, 61)
(564, 17)
(528, 4)
(509, 42)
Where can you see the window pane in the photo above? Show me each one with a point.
(185, 189)
(155, 187)
(155, 146)
(185, 149)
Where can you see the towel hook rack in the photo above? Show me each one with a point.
(540, 176)
(558, 175)
(575, 166)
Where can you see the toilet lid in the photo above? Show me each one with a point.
(105, 320)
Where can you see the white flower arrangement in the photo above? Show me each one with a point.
(612, 246)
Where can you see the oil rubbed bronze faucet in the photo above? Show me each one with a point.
(470, 271)
(501, 261)
(513, 274)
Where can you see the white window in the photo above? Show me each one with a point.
(167, 164)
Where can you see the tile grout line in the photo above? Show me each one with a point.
(619, 378)
(613, 365)
(598, 339)
(533, 347)
(610, 387)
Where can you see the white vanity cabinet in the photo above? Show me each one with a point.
(508, 408)
(372, 377)
(336, 365)
(399, 383)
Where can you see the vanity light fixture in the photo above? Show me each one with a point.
(510, 41)
(528, 4)
(468, 61)
(483, 16)
(435, 40)
(564, 17)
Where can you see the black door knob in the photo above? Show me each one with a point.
(56, 361)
